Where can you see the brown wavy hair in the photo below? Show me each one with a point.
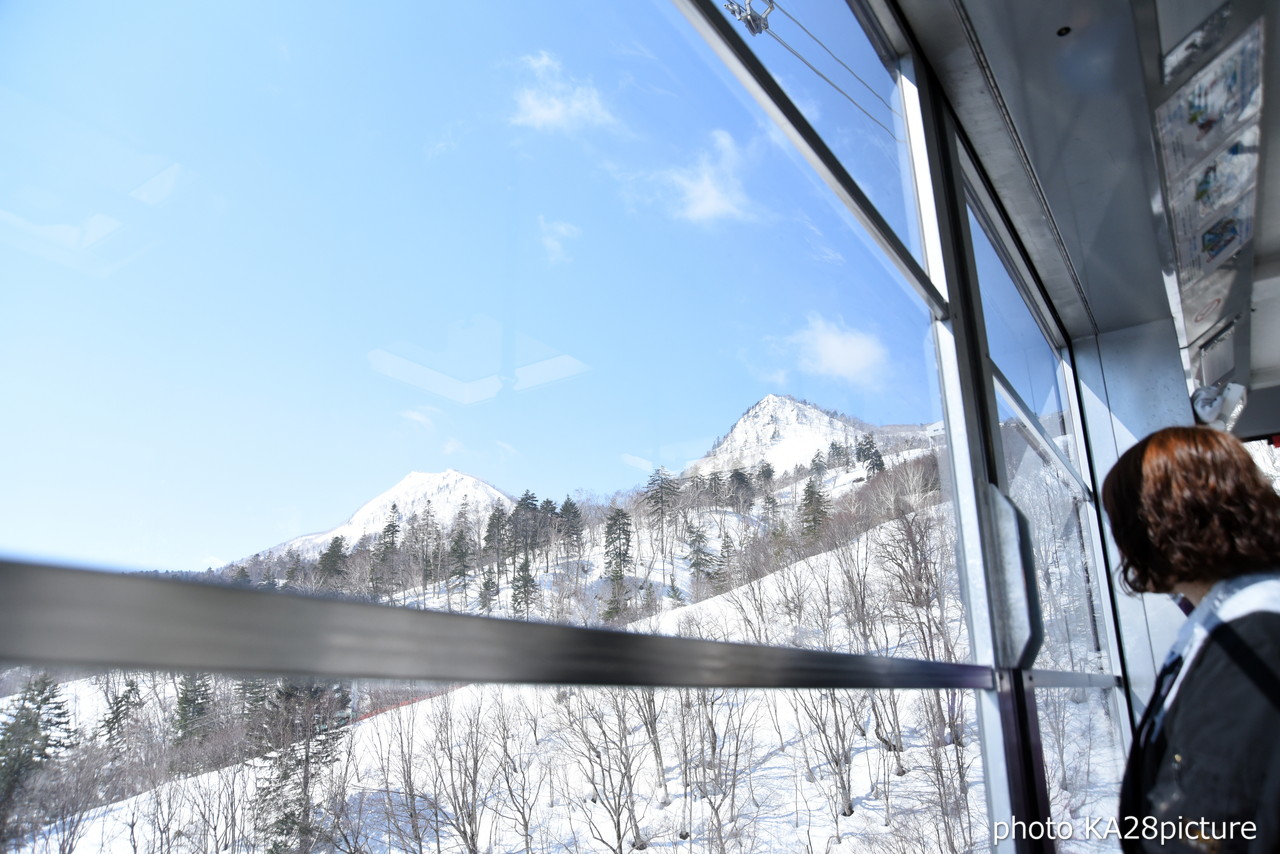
(1188, 504)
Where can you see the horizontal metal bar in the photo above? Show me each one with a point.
(57, 615)
(1067, 679)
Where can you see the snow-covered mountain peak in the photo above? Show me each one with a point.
(441, 492)
(781, 430)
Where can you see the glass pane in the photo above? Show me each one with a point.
(848, 91)
(491, 303)
(1084, 762)
(880, 579)
(1017, 345)
(198, 762)
(1058, 516)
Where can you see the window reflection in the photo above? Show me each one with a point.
(1084, 761)
(1016, 343)
(1057, 513)
(845, 83)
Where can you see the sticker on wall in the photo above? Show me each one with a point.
(1221, 98)
(1209, 140)
(1208, 217)
(1199, 42)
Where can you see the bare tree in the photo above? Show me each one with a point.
(218, 803)
(410, 815)
(947, 770)
(462, 767)
(348, 814)
(522, 768)
(649, 711)
(834, 718)
(722, 753)
(64, 792)
(607, 748)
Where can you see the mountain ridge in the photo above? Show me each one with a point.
(444, 491)
(779, 429)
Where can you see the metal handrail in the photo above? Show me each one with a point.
(57, 615)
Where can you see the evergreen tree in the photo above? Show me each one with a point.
(837, 455)
(422, 545)
(660, 494)
(815, 506)
(293, 562)
(333, 562)
(865, 451)
(697, 487)
(725, 562)
(770, 511)
(764, 477)
(301, 731)
(548, 523)
(195, 706)
(715, 487)
(700, 558)
(818, 465)
(497, 539)
(488, 588)
(524, 590)
(496, 542)
(617, 558)
(462, 550)
(572, 528)
(875, 462)
(36, 730)
(461, 554)
(389, 541)
(741, 491)
(252, 695)
(524, 524)
(120, 711)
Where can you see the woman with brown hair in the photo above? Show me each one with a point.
(1191, 514)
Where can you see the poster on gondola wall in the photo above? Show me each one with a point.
(1209, 140)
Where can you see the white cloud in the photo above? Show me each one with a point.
(553, 236)
(419, 417)
(802, 98)
(833, 350)
(557, 101)
(442, 144)
(826, 254)
(637, 462)
(156, 189)
(543, 63)
(712, 189)
(509, 450)
(453, 446)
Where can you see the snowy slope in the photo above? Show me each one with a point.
(445, 491)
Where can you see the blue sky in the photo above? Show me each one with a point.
(263, 260)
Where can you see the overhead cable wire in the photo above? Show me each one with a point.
(830, 82)
(837, 59)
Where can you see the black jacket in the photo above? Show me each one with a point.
(1212, 752)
